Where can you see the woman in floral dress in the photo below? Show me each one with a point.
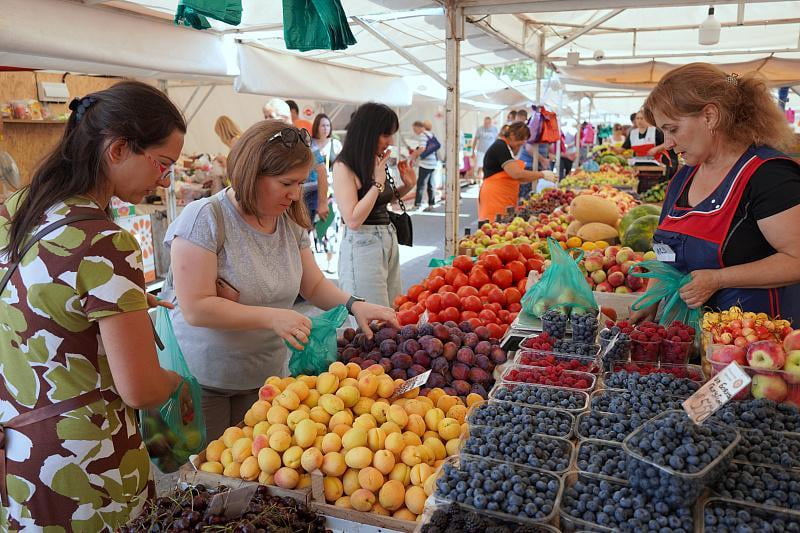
(77, 354)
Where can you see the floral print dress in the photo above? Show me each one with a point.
(86, 469)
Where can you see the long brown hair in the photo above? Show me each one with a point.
(227, 130)
(130, 110)
(315, 127)
(748, 113)
(253, 157)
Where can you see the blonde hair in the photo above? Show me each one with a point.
(254, 157)
(427, 124)
(748, 113)
(227, 130)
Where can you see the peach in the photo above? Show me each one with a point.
(311, 459)
(342, 417)
(445, 402)
(242, 449)
(338, 369)
(341, 429)
(287, 478)
(295, 417)
(379, 411)
(416, 424)
(392, 495)
(395, 443)
(376, 439)
(397, 415)
(420, 473)
(404, 514)
(353, 369)
(269, 460)
(386, 387)
(368, 385)
(333, 464)
(318, 414)
(359, 457)
(259, 443)
(362, 500)
(353, 438)
(291, 457)
(365, 422)
(415, 499)
(327, 383)
(214, 467)
(280, 441)
(331, 443)
(436, 447)
(268, 392)
(331, 403)
(233, 469)
(266, 479)
(459, 412)
(402, 473)
(227, 457)
(370, 478)
(379, 509)
(384, 461)
(305, 482)
(214, 450)
(363, 406)
(250, 469)
(411, 455)
(333, 488)
(261, 428)
(343, 502)
(430, 485)
(277, 414)
(473, 398)
(231, 435)
(350, 481)
(305, 433)
(349, 395)
(435, 393)
(449, 428)
(452, 447)
(313, 398)
(411, 439)
(433, 417)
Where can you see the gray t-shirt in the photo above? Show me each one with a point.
(484, 138)
(266, 269)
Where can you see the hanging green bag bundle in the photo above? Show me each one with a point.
(320, 351)
(316, 25)
(667, 289)
(561, 285)
(193, 13)
(177, 429)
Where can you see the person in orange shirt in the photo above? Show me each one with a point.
(298, 122)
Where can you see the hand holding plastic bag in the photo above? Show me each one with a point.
(667, 289)
(561, 285)
(177, 429)
(320, 350)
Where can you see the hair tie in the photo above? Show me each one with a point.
(80, 105)
(733, 79)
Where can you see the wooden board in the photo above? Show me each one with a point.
(385, 523)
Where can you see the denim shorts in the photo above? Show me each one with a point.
(369, 263)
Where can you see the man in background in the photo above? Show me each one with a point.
(522, 116)
(278, 110)
(484, 138)
(298, 122)
(511, 117)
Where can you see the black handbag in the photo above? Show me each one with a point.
(401, 221)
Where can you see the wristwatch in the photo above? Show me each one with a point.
(379, 186)
(351, 301)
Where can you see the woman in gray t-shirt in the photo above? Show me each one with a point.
(239, 260)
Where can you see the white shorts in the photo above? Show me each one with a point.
(479, 158)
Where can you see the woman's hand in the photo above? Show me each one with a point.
(407, 174)
(291, 326)
(323, 210)
(643, 315)
(365, 313)
(379, 176)
(703, 285)
(652, 151)
(153, 301)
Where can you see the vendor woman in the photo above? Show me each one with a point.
(731, 215)
(504, 172)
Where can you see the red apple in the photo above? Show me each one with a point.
(768, 355)
(770, 387)
(729, 353)
(792, 341)
(792, 367)
(604, 287)
(616, 279)
(599, 276)
(741, 342)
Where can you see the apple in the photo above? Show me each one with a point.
(726, 338)
(634, 283)
(728, 353)
(604, 287)
(624, 254)
(768, 355)
(622, 289)
(616, 279)
(741, 342)
(626, 266)
(793, 398)
(611, 252)
(593, 263)
(770, 387)
(792, 341)
(792, 367)
(599, 276)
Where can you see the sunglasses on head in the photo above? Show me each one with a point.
(290, 136)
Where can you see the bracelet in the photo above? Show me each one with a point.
(379, 186)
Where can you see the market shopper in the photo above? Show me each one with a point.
(328, 147)
(504, 173)
(239, 261)
(298, 122)
(227, 131)
(323, 141)
(484, 138)
(277, 109)
(731, 216)
(425, 154)
(617, 137)
(77, 345)
(369, 257)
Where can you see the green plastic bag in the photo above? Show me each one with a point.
(562, 285)
(193, 13)
(320, 351)
(321, 226)
(670, 281)
(177, 429)
(316, 25)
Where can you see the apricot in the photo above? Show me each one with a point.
(379, 509)
(331, 443)
(343, 502)
(384, 461)
(365, 422)
(300, 389)
(277, 414)
(453, 446)
(426, 454)
(287, 478)
(268, 392)
(434, 394)
(376, 439)
(368, 385)
(278, 428)
(349, 395)
(449, 428)
(305, 433)
(411, 439)
(415, 499)
(359, 457)
(404, 514)
(242, 449)
(227, 457)
(386, 387)
(333, 464)
(275, 380)
(311, 459)
(392, 495)
(232, 470)
(420, 473)
(280, 441)
(310, 381)
(430, 485)
(254, 415)
(433, 417)
(342, 417)
(312, 399)
(370, 478)
(250, 469)
(437, 447)
(285, 382)
(331, 403)
(327, 383)
(402, 473)
(379, 411)
(231, 435)
(318, 414)
(350, 481)
(259, 443)
(363, 406)
(416, 424)
(411, 455)
(333, 488)
(338, 369)
(214, 467)
(214, 450)
(353, 370)
(348, 382)
(305, 481)
(415, 407)
(395, 443)
(261, 428)
(459, 412)
(247, 431)
(397, 415)
(269, 460)
(341, 429)
(391, 427)
(425, 401)
(292, 456)
(362, 500)
(353, 438)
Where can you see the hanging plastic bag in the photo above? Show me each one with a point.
(561, 285)
(316, 25)
(177, 429)
(320, 351)
(670, 281)
(193, 13)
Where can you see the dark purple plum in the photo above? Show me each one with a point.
(398, 373)
(422, 358)
(388, 347)
(349, 352)
(386, 363)
(471, 340)
(483, 333)
(409, 331)
(385, 333)
(439, 364)
(450, 391)
(436, 380)
(441, 332)
(349, 334)
(416, 370)
(451, 324)
(374, 355)
(465, 327)
(425, 329)
(498, 355)
(477, 388)
(366, 363)
(411, 346)
(460, 372)
(461, 387)
(477, 375)
(402, 361)
(483, 362)
(483, 348)
(466, 356)
(356, 360)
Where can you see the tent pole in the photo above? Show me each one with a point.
(454, 18)
(172, 204)
(539, 77)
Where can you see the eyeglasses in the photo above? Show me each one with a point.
(290, 136)
(161, 167)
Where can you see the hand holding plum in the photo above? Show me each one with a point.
(365, 312)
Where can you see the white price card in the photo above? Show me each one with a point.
(716, 392)
(413, 383)
(664, 252)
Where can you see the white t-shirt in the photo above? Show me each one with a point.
(430, 161)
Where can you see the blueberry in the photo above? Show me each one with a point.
(554, 323)
(541, 396)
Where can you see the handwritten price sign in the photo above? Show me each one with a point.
(716, 392)
(413, 383)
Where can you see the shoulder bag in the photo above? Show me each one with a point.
(400, 221)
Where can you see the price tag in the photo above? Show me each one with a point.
(423, 319)
(413, 383)
(716, 392)
(233, 503)
(663, 252)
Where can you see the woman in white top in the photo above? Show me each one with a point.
(323, 140)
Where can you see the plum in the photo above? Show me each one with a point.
(460, 371)
(424, 390)
(461, 387)
(374, 355)
(477, 388)
(385, 333)
(425, 329)
(498, 355)
(341, 342)
(349, 334)
(439, 364)
(366, 363)
(388, 347)
(451, 324)
(471, 340)
(484, 363)
(411, 346)
(441, 332)
(386, 363)
(374, 327)
(402, 361)
(450, 391)
(356, 360)
(449, 351)
(422, 359)
(398, 373)
(432, 345)
(409, 331)
(478, 375)
(483, 348)
(369, 344)
(465, 326)
(348, 353)
(416, 370)
(466, 356)
(435, 380)
(483, 333)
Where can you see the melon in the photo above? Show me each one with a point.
(639, 235)
(597, 231)
(573, 228)
(588, 208)
(637, 212)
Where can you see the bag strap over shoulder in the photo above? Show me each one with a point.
(43, 233)
(219, 220)
(390, 179)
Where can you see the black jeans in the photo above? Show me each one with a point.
(565, 168)
(425, 178)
